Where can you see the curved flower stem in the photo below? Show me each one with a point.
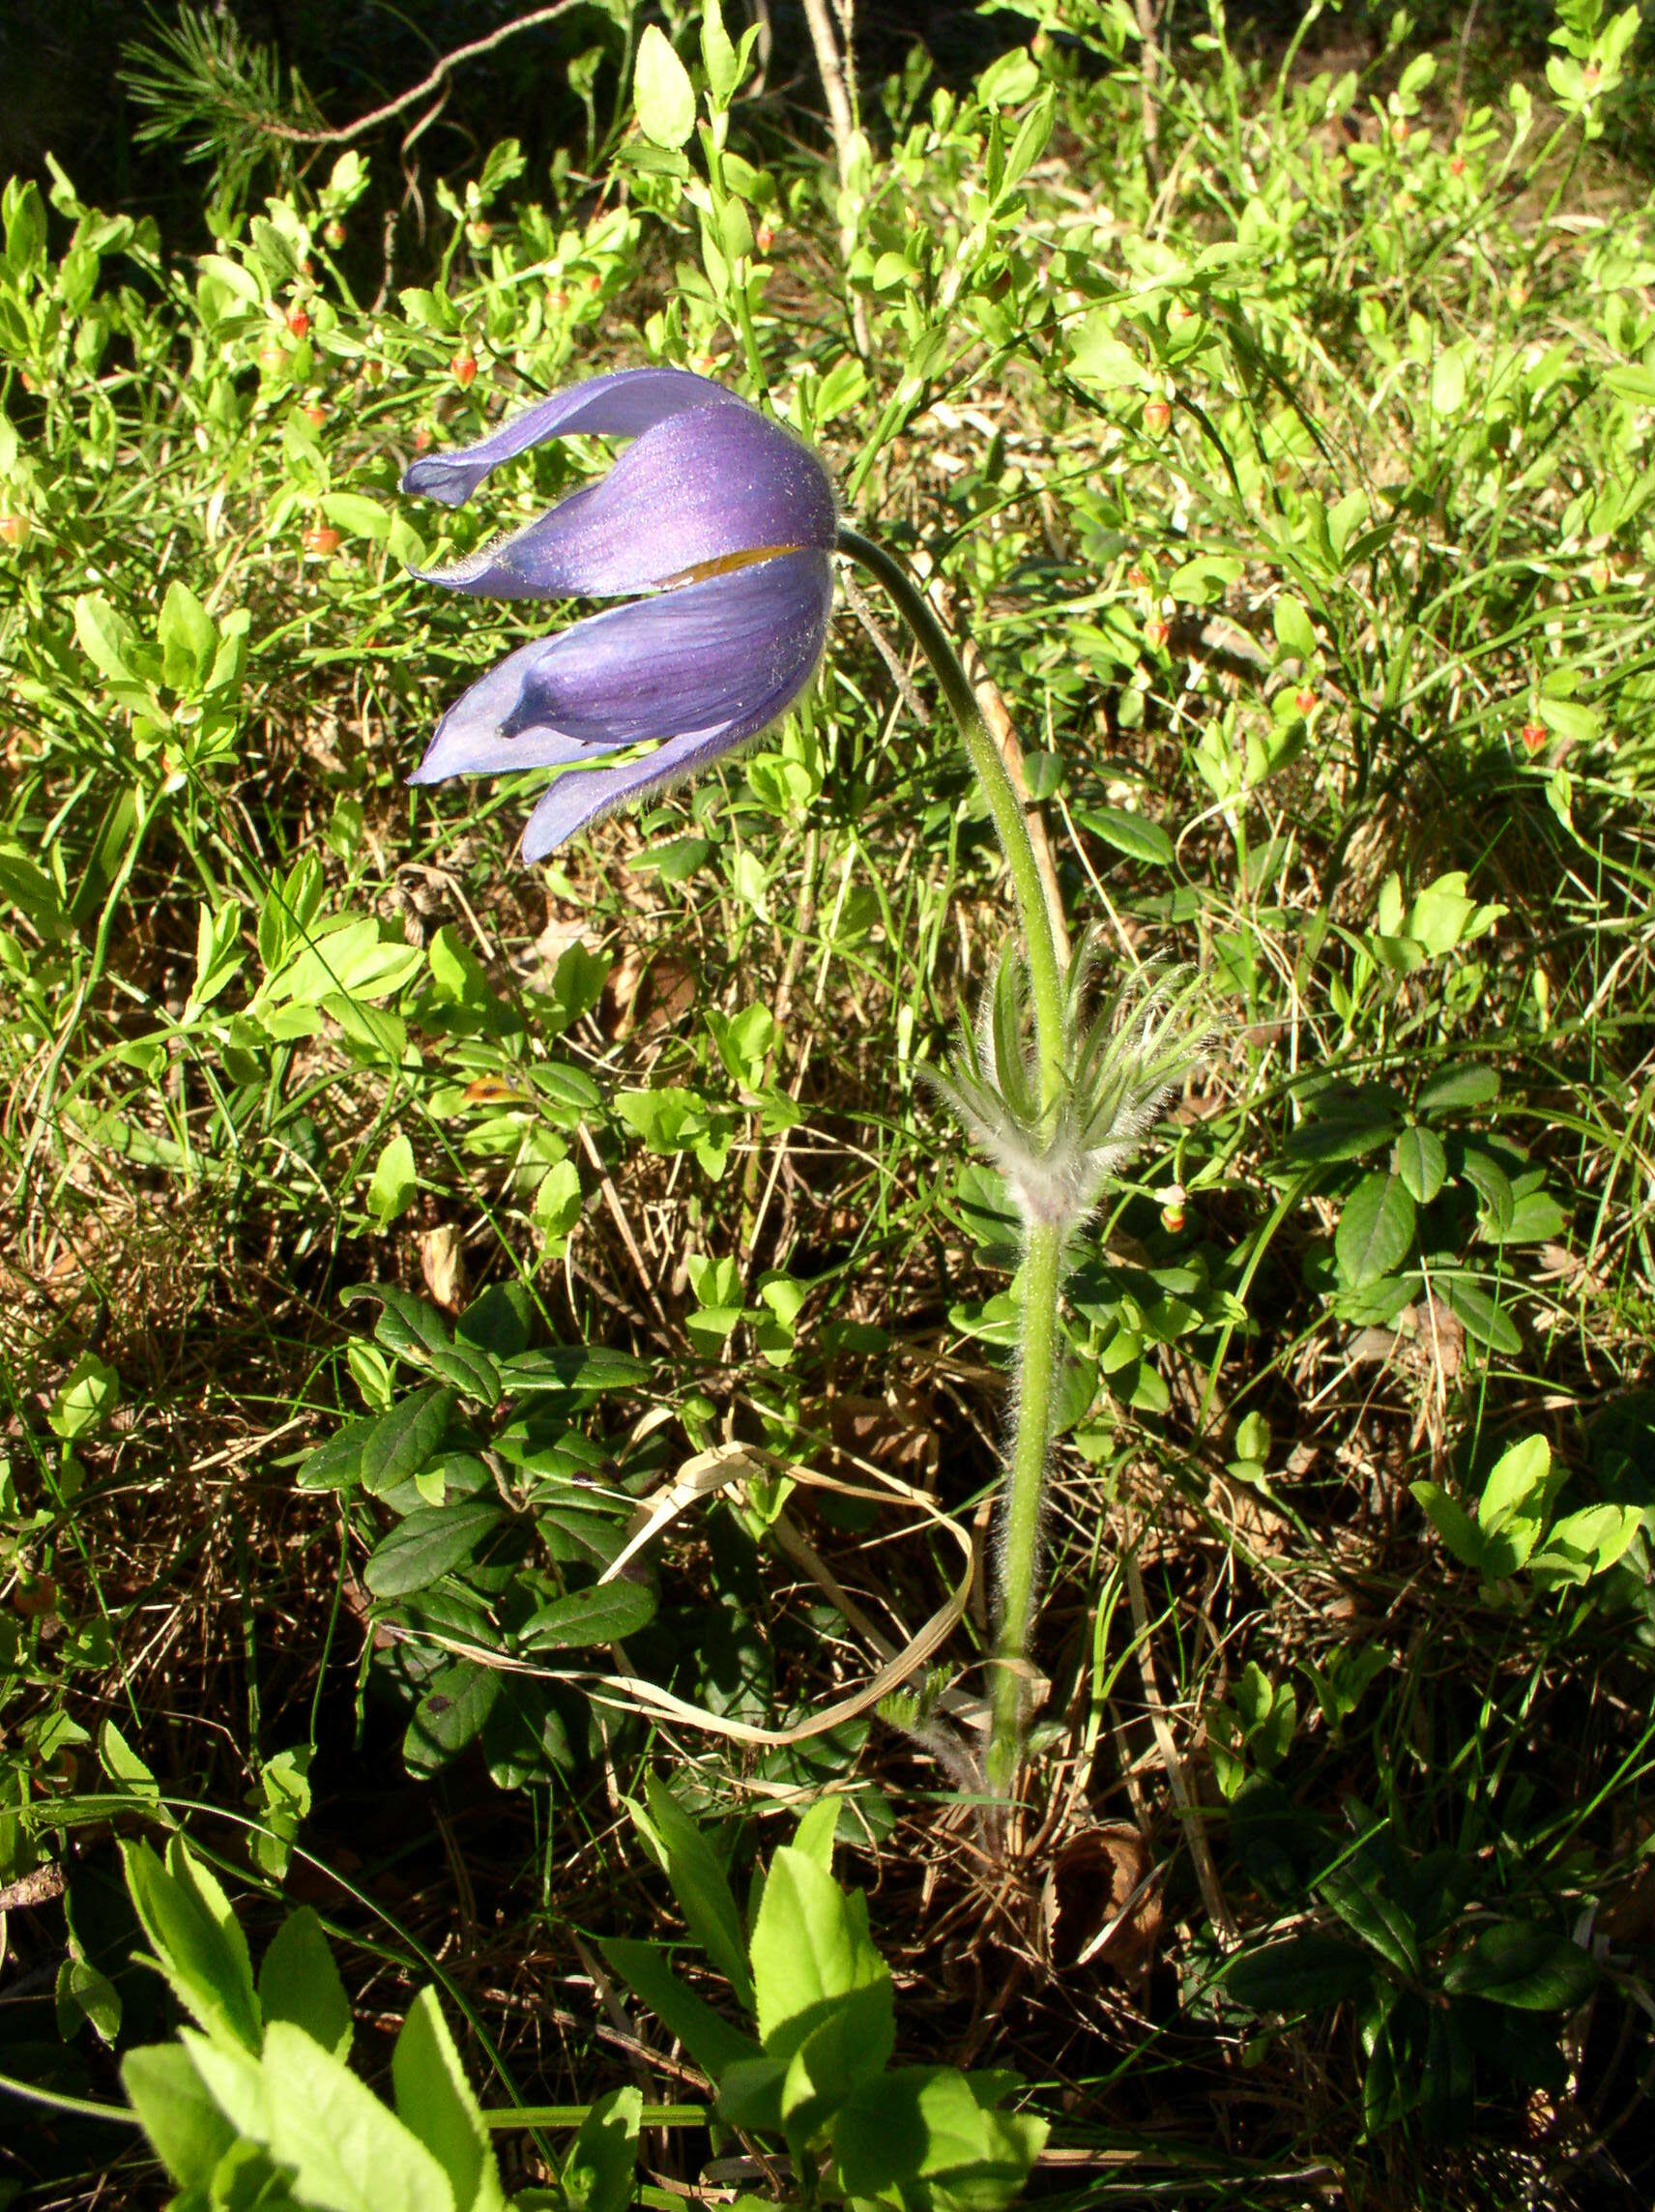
(1045, 971)
(1043, 1248)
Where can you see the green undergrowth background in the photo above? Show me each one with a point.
(1274, 405)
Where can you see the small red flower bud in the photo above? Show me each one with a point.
(480, 233)
(1591, 77)
(298, 321)
(1136, 577)
(594, 282)
(335, 233)
(1173, 1213)
(322, 539)
(1157, 414)
(1399, 129)
(464, 368)
(1304, 698)
(14, 530)
(1533, 736)
(423, 440)
(1457, 167)
(557, 298)
(1156, 633)
(315, 414)
(30, 382)
(764, 238)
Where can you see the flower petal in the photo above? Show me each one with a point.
(705, 668)
(718, 659)
(619, 405)
(701, 487)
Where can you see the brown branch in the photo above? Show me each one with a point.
(448, 63)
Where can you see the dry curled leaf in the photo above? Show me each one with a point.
(1101, 1902)
(442, 1266)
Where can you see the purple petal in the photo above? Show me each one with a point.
(619, 405)
(468, 739)
(707, 483)
(584, 796)
(704, 669)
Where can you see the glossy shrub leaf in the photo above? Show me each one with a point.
(405, 1438)
(1376, 1230)
(1134, 834)
(450, 1715)
(1523, 1967)
(1302, 1973)
(1458, 1088)
(1483, 1322)
(605, 1614)
(428, 1544)
(1422, 1163)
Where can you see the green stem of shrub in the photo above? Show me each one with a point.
(1043, 1253)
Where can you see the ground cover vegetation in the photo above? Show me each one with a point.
(505, 1368)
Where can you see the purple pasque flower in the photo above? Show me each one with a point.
(723, 519)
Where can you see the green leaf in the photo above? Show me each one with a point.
(574, 1367)
(1517, 1483)
(661, 90)
(360, 517)
(299, 1982)
(1492, 1185)
(1482, 1321)
(429, 1543)
(810, 1948)
(395, 1184)
(818, 1827)
(197, 1940)
(187, 2131)
(187, 637)
(605, 1614)
(707, 2035)
(697, 1881)
(928, 2125)
(598, 2174)
(1133, 834)
(1357, 1893)
(434, 2101)
(1451, 1522)
(348, 2152)
(104, 638)
(403, 1440)
(1301, 1974)
(89, 1394)
(1472, 1082)
(1422, 1163)
(1293, 627)
(450, 1715)
(1376, 1230)
(1524, 1966)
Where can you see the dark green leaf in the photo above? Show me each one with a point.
(573, 1367)
(1133, 834)
(1376, 1230)
(299, 1981)
(404, 1438)
(1300, 1974)
(1517, 1964)
(605, 1614)
(429, 1543)
(1422, 1163)
(450, 1715)
(1482, 1321)
(1455, 1089)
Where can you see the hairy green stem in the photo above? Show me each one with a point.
(1043, 1253)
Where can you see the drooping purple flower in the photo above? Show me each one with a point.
(723, 521)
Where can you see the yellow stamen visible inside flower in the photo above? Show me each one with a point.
(726, 564)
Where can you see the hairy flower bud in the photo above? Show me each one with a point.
(1120, 1059)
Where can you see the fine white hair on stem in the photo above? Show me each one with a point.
(1121, 1059)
